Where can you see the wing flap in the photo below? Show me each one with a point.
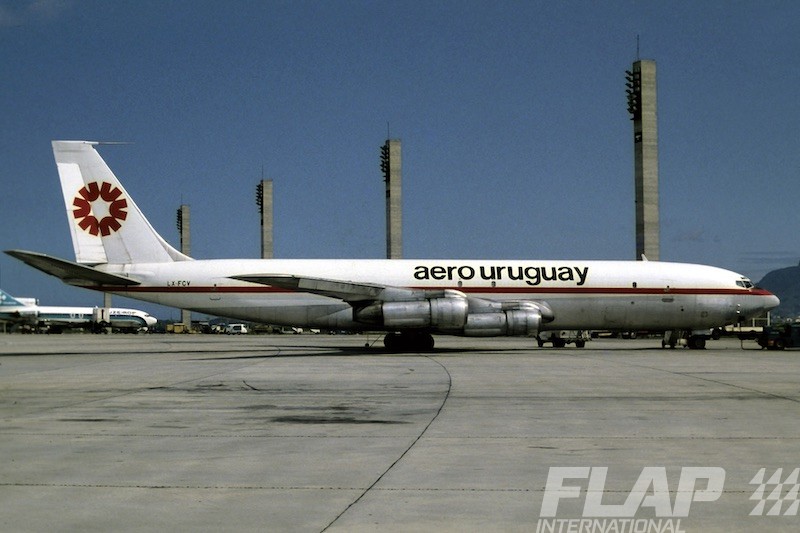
(351, 292)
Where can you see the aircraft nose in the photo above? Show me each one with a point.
(771, 302)
(760, 302)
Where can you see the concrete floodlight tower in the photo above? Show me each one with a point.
(183, 220)
(264, 201)
(391, 167)
(641, 89)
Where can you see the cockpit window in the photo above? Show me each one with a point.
(745, 283)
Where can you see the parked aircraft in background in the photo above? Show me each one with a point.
(118, 251)
(27, 311)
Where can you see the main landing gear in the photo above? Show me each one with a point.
(408, 341)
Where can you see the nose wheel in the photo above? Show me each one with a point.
(693, 342)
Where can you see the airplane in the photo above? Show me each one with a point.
(118, 251)
(28, 311)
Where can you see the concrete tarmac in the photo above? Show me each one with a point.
(318, 433)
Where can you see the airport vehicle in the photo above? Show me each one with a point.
(780, 337)
(118, 251)
(27, 311)
(560, 338)
(236, 329)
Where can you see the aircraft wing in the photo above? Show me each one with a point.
(350, 292)
(362, 294)
(69, 272)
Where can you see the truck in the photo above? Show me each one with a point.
(780, 337)
(563, 337)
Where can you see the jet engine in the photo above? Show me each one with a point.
(511, 322)
(455, 313)
(447, 313)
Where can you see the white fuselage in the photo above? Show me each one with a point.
(616, 295)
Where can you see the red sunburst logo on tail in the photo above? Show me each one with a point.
(111, 202)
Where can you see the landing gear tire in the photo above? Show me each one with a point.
(392, 342)
(409, 341)
(696, 343)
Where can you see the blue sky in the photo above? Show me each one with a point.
(516, 139)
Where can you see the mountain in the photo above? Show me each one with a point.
(785, 284)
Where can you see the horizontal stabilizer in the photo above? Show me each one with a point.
(69, 272)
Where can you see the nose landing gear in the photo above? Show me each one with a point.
(692, 340)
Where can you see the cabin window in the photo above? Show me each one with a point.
(634, 284)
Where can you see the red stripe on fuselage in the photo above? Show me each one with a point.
(466, 290)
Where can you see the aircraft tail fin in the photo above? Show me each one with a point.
(105, 223)
(8, 300)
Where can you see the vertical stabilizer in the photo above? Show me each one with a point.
(8, 300)
(105, 223)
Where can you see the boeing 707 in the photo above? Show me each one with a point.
(118, 251)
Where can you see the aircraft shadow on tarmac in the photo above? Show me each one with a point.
(312, 350)
(349, 351)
